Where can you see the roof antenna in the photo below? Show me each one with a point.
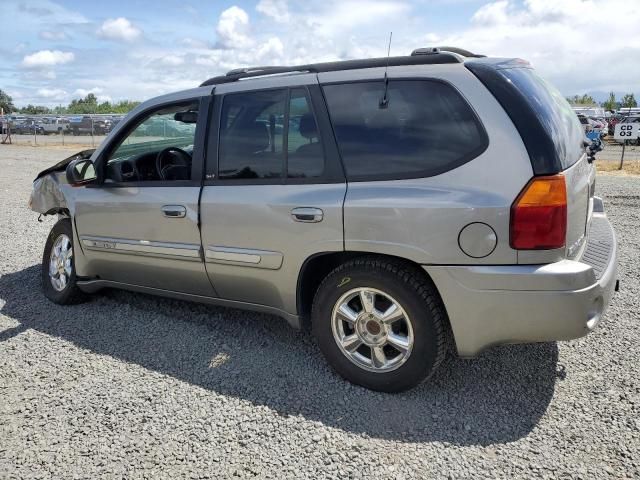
(384, 101)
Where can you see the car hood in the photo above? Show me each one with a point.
(61, 165)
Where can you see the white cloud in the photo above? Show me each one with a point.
(51, 93)
(83, 92)
(53, 35)
(492, 13)
(194, 43)
(119, 29)
(232, 28)
(172, 60)
(338, 17)
(272, 47)
(46, 10)
(278, 10)
(97, 91)
(579, 45)
(47, 58)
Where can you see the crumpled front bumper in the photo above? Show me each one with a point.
(491, 305)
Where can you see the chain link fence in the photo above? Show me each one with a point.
(58, 139)
(87, 131)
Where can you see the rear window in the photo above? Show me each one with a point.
(426, 129)
(554, 112)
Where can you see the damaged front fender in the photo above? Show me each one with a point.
(51, 193)
(47, 196)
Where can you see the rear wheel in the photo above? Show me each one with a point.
(380, 324)
(58, 269)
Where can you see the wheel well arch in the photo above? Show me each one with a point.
(64, 211)
(318, 266)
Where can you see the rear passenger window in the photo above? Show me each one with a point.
(251, 135)
(254, 143)
(426, 129)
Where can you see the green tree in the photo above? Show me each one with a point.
(78, 106)
(88, 104)
(6, 102)
(581, 100)
(35, 110)
(611, 103)
(628, 101)
(124, 106)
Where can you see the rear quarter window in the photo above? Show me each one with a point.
(554, 113)
(549, 128)
(426, 129)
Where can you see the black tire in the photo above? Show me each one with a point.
(70, 294)
(415, 293)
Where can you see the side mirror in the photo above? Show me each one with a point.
(80, 172)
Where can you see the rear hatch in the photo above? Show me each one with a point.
(551, 132)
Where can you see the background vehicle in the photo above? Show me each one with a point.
(587, 126)
(396, 230)
(87, 124)
(54, 125)
(613, 121)
(28, 127)
(600, 125)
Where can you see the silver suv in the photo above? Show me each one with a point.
(397, 206)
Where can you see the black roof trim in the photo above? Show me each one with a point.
(431, 59)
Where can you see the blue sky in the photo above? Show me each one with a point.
(52, 51)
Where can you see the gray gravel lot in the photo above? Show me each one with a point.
(129, 385)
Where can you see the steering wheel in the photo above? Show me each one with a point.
(184, 160)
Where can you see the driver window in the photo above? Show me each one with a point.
(158, 148)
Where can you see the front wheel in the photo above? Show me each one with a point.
(58, 269)
(380, 324)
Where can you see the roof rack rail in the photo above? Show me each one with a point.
(249, 72)
(257, 71)
(434, 58)
(433, 50)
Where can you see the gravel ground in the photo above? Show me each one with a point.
(129, 385)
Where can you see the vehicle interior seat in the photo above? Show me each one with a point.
(304, 161)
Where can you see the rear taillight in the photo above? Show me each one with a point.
(539, 215)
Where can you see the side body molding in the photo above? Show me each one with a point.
(244, 256)
(184, 251)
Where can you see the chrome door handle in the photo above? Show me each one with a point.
(307, 214)
(174, 211)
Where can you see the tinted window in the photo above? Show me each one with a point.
(426, 129)
(553, 111)
(304, 150)
(251, 135)
(254, 143)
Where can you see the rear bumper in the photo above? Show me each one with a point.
(490, 305)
